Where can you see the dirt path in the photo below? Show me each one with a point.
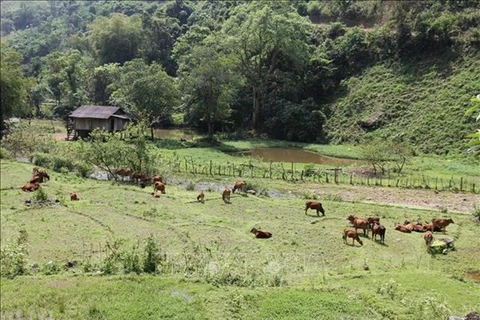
(429, 199)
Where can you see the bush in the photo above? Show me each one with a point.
(152, 256)
(40, 195)
(50, 268)
(13, 260)
(190, 186)
(4, 153)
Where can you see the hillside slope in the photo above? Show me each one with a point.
(422, 100)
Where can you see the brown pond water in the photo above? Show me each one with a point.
(296, 155)
(186, 133)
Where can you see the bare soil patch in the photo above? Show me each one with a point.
(443, 201)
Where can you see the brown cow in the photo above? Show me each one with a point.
(430, 227)
(35, 179)
(159, 186)
(314, 205)
(371, 220)
(428, 236)
(31, 187)
(402, 228)
(226, 195)
(441, 223)
(74, 196)
(239, 185)
(359, 223)
(377, 228)
(123, 172)
(347, 233)
(201, 197)
(157, 179)
(261, 234)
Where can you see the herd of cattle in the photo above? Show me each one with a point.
(366, 224)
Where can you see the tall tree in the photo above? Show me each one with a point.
(14, 85)
(116, 39)
(266, 35)
(147, 90)
(209, 82)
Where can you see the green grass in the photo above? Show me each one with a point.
(213, 267)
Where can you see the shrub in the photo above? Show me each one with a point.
(151, 258)
(50, 268)
(4, 153)
(131, 261)
(13, 260)
(40, 195)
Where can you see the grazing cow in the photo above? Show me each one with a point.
(123, 172)
(347, 233)
(428, 236)
(157, 179)
(377, 228)
(74, 196)
(240, 185)
(261, 234)
(359, 223)
(314, 205)
(201, 197)
(31, 187)
(402, 228)
(441, 223)
(155, 194)
(139, 176)
(226, 195)
(159, 186)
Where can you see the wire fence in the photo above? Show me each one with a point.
(279, 171)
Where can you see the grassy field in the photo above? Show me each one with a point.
(211, 267)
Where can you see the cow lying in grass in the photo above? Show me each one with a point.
(74, 196)
(159, 186)
(239, 185)
(261, 234)
(31, 187)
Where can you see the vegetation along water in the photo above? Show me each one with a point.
(126, 124)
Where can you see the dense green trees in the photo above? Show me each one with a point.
(14, 85)
(268, 66)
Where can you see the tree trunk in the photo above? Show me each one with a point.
(210, 129)
(151, 132)
(256, 109)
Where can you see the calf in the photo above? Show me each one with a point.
(201, 197)
(261, 234)
(226, 195)
(377, 228)
(428, 236)
(371, 220)
(314, 205)
(74, 196)
(159, 186)
(155, 194)
(347, 233)
(359, 223)
(441, 223)
(239, 185)
(31, 187)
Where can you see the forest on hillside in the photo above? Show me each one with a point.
(283, 69)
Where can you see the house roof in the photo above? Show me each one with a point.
(98, 112)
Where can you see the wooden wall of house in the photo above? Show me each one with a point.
(106, 124)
